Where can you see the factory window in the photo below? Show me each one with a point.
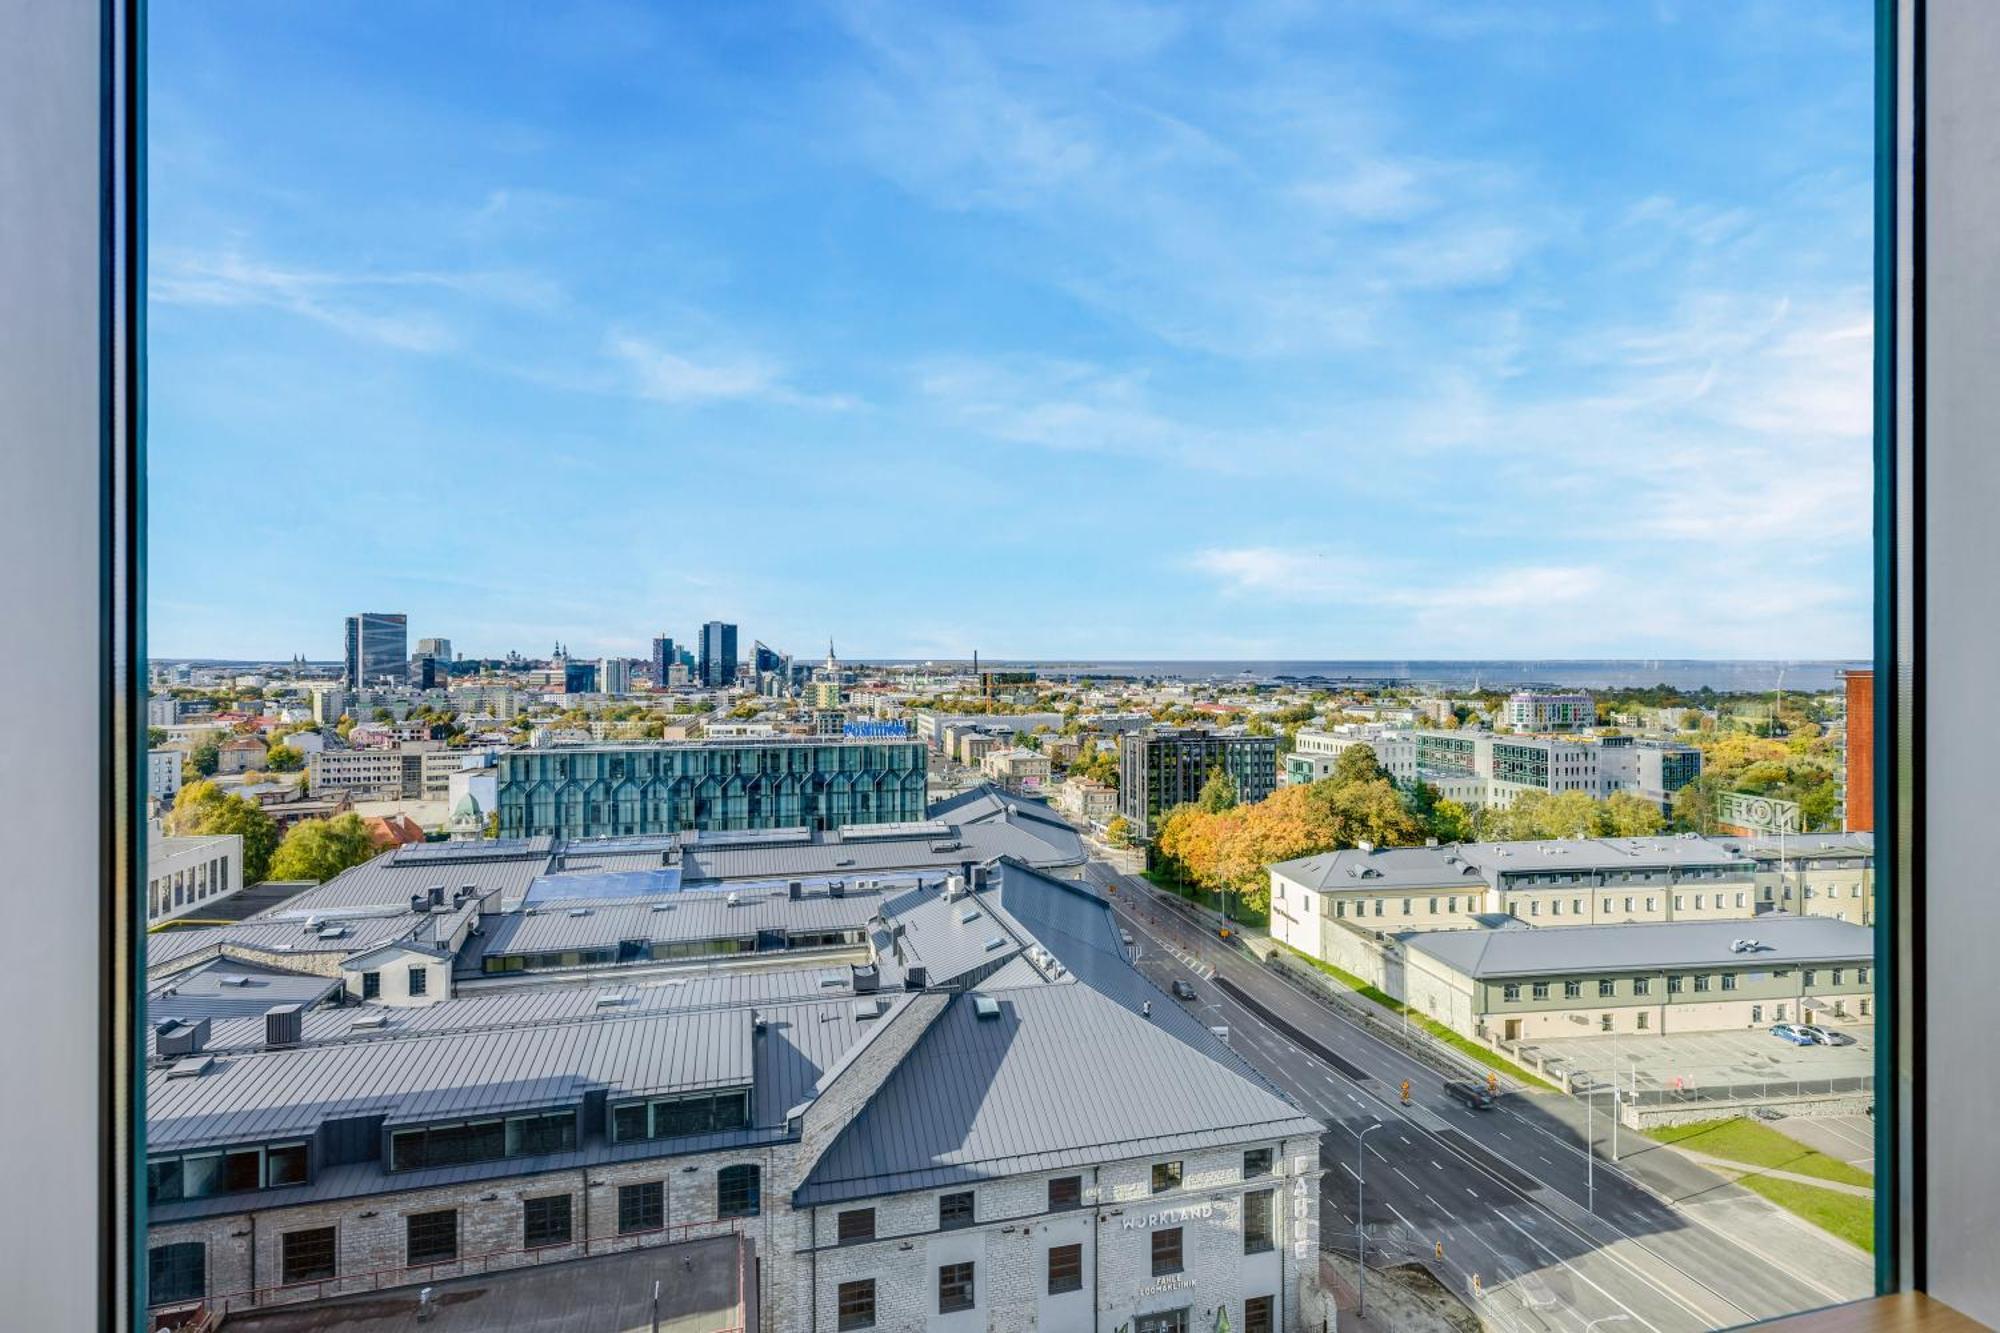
(1259, 1314)
(431, 1238)
(1258, 1237)
(238, 1170)
(738, 1191)
(1166, 1176)
(1257, 1162)
(642, 1207)
(481, 1140)
(1065, 1193)
(955, 1210)
(855, 1225)
(1167, 1252)
(955, 1291)
(1065, 1269)
(308, 1256)
(176, 1272)
(545, 1221)
(679, 1117)
(854, 1304)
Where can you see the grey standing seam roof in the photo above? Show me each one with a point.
(1642, 946)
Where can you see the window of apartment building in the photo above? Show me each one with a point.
(1258, 1235)
(1606, 988)
(1451, 906)
(1701, 981)
(1811, 977)
(1065, 1193)
(642, 1207)
(1406, 906)
(1756, 1013)
(371, 985)
(1576, 906)
(1679, 901)
(1260, 1314)
(1604, 1022)
(1534, 907)
(1642, 985)
(1065, 1269)
(1167, 1255)
(955, 1210)
(1741, 901)
(1649, 904)
(1673, 984)
(1257, 1162)
(1861, 976)
(1166, 1176)
(545, 1220)
(854, 1304)
(1434, 907)
(1729, 981)
(1572, 990)
(420, 980)
(855, 1225)
(1339, 908)
(431, 1238)
(738, 1191)
(1541, 990)
(955, 1291)
(177, 1272)
(1511, 991)
(308, 1256)
(1642, 1020)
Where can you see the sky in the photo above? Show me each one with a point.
(1392, 328)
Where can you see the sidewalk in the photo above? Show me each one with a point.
(1726, 1165)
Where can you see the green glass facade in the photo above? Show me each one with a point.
(620, 791)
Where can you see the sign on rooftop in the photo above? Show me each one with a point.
(1759, 814)
(876, 731)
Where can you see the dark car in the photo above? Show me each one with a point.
(1182, 991)
(1472, 1094)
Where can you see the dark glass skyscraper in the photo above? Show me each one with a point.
(1163, 768)
(378, 649)
(718, 654)
(664, 658)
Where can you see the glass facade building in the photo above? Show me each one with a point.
(1158, 770)
(620, 791)
(718, 654)
(378, 649)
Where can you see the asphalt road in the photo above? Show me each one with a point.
(1505, 1190)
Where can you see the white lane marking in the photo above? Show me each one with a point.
(1435, 1166)
(1469, 1190)
(1399, 1171)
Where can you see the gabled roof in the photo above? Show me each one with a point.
(1783, 941)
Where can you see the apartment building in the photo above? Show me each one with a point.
(403, 770)
(1478, 768)
(1017, 769)
(1531, 710)
(1164, 767)
(186, 874)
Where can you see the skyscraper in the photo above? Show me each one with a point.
(438, 648)
(378, 648)
(614, 676)
(718, 654)
(664, 658)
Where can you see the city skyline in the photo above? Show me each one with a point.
(1407, 334)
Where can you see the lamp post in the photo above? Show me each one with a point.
(1361, 1219)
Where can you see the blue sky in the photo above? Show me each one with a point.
(1263, 329)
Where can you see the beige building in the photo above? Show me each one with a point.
(1017, 769)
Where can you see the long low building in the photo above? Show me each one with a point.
(1520, 983)
(942, 1124)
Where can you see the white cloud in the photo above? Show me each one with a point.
(666, 376)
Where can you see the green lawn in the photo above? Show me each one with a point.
(1848, 1216)
(1207, 898)
(1746, 1141)
(1465, 1045)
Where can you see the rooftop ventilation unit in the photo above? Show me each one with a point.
(732, 899)
(997, 942)
(332, 932)
(837, 888)
(284, 1025)
(954, 888)
(865, 979)
(609, 1000)
(868, 1008)
(192, 1067)
(180, 1037)
(661, 907)
(794, 890)
(968, 916)
(579, 911)
(437, 895)
(979, 878)
(419, 903)
(369, 1023)
(232, 979)
(986, 1007)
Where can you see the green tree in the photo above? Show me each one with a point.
(283, 759)
(155, 738)
(204, 758)
(1357, 763)
(383, 715)
(1218, 793)
(343, 726)
(202, 808)
(319, 849)
(1626, 815)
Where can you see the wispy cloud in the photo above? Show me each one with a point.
(667, 376)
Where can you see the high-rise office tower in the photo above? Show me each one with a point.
(438, 648)
(664, 658)
(614, 676)
(718, 654)
(378, 648)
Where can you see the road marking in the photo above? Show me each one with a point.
(1399, 1171)
(1435, 1166)
(1469, 1190)
(1434, 1203)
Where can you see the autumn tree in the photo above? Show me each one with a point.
(204, 809)
(319, 849)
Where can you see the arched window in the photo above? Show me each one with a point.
(737, 1193)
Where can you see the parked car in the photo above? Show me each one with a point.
(1472, 1094)
(1182, 991)
(1792, 1033)
(1824, 1036)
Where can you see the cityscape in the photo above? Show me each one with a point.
(876, 994)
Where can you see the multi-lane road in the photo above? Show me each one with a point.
(1507, 1192)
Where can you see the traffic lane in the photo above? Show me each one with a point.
(1623, 1205)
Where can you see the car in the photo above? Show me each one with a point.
(1125, 936)
(1791, 1033)
(1472, 1094)
(1182, 991)
(1824, 1036)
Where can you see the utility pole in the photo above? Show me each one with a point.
(1361, 1219)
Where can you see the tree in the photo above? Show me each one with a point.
(1218, 793)
(155, 738)
(319, 849)
(384, 715)
(343, 726)
(202, 808)
(283, 759)
(204, 758)
(1119, 831)
(1627, 815)
(1357, 763)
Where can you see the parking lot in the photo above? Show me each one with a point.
(1711, 1059)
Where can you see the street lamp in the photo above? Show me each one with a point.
(1361, 1219)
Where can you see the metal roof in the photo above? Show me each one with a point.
(225, 989)
(683, 916)
(1646, 946)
